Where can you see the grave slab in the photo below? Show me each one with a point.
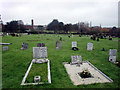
(98, 77)
(5, 48)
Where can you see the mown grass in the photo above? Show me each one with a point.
(38, 70)
(16, 61)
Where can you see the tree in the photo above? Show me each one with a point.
(68, 27)
(14, 26)
(56, 26)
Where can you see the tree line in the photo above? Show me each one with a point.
(60, 27)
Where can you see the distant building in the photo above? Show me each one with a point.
(33, 27)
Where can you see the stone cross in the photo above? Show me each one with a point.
(90, 46)
(58, 45)
(112, 55)
(74, 44)
(5, 48)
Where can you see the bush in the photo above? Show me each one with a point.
(97, 39)
(94, 37)
(110, 38)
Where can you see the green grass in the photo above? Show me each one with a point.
(15, 61)
(38, 70)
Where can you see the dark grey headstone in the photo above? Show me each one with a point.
(58, 45)
(40, 45)
(24, 46)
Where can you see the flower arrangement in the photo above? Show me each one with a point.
(85, 74)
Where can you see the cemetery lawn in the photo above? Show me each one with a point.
(38, 70)
(15, 61)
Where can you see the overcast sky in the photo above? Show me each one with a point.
(104, 12)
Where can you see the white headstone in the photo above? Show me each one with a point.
(112, 52)
(39, 52)
(112, 55)
(74, 44)
(5, 48)
(76, 59)
(90, 46)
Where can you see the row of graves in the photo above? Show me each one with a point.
(5, 48)
(83, 72)
(79, 71)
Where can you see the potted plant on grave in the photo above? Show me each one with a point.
(85, 74)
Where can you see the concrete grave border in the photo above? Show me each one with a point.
(26, 74)
(5, 43)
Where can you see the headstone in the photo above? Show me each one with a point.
(90, 46)
(58, 45)
(5, 48)
(39, 52)
(74, 44)
(40, 45)
(36, 79)
(76, 59)
(24, 46)
(112, 55)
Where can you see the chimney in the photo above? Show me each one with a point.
(32, 23)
